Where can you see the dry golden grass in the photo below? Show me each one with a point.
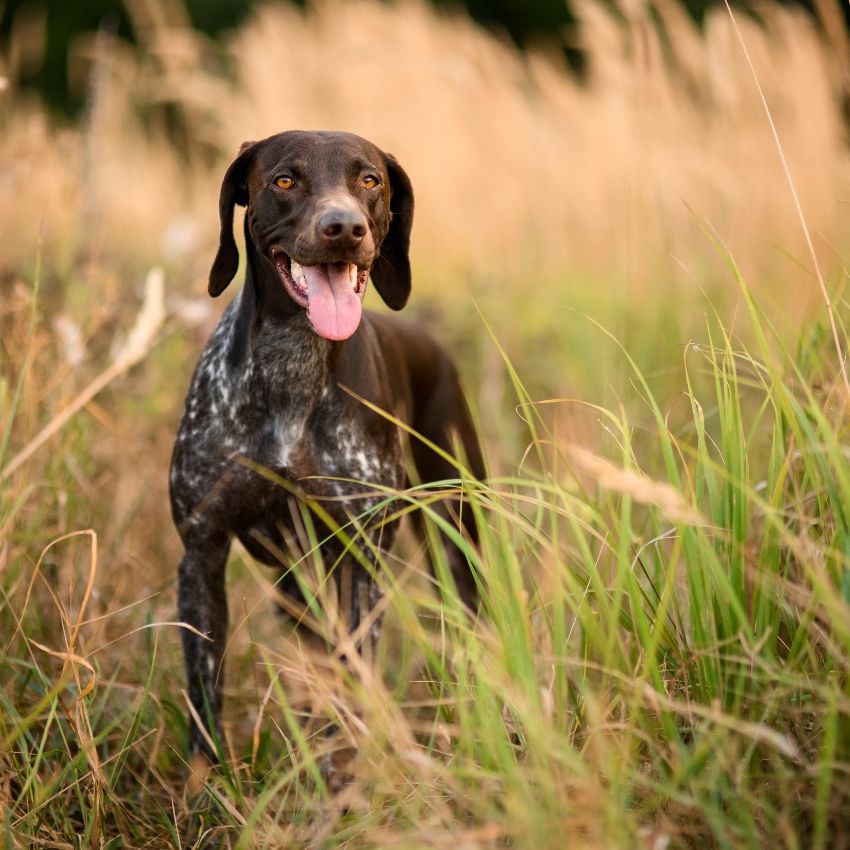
(521, 172)
(526, 181)
(533, 191)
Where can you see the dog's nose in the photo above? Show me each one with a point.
(342, 227)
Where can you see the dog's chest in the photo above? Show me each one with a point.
(328, 450)
(276, 425)
(325, 445)
(345, 449)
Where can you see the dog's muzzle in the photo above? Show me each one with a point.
(332, 293)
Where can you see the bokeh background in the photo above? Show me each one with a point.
(580, 170)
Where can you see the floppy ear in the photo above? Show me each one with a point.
(391, 271)
(233, 191)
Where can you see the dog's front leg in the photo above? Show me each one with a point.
(361, 595)
(202, 604)
(364, 617)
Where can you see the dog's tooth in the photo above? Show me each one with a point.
(297, 271)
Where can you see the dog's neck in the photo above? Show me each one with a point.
(273, 343)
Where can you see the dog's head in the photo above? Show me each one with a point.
(326, 210)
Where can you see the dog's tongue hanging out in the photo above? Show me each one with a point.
(333, 298)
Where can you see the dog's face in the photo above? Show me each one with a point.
(324, 210)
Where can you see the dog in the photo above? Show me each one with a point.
(275, 411)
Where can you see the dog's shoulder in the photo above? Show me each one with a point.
(415, 359)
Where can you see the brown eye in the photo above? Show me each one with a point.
(370, 181)
(284, 182)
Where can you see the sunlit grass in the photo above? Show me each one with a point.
(661, 653)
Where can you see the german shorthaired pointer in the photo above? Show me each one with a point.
(268, 417)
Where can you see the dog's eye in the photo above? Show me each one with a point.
(370, 181)
(284, 182)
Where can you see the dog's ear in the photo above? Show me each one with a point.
(391, 271)
(234, 190)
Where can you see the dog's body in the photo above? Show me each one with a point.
(274, 413)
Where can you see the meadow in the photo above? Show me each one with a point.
(642, 275)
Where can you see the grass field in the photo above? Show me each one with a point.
(651, 332)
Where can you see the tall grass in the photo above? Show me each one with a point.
(662, 655)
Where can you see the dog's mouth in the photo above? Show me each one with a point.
(332, 293)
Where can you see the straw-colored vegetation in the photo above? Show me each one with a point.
(653, 348)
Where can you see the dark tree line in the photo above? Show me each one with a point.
(523, 21)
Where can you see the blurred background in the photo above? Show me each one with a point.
(569, 147)
(542, 138)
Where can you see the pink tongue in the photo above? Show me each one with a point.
(332, 304)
